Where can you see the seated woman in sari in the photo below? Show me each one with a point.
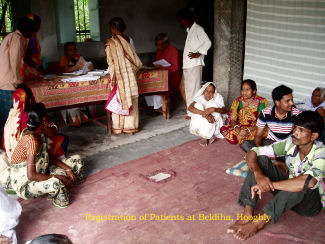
(71, 62)
(243, 114)
(23, 99)
(31, 172)
(206, 109)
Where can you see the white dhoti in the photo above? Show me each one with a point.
(154, 101)
(192, 82)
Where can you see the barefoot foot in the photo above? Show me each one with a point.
(186, 117)
(203, 142)
(212, 139)
(233, 228)
(248, 230)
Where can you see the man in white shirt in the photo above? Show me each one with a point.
(196, 46)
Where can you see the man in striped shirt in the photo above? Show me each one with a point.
(300, 187)
(278, 119)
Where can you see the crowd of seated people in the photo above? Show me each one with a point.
(34, 163)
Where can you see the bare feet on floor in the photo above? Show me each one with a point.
(241, 221)
(248, 230)
(203, 142)
(212, 139)
(186, 117)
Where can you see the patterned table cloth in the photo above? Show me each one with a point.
(54, 93)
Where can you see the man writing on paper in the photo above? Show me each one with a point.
(167, 57)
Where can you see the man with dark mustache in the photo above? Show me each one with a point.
(278, 119)
(302, 190)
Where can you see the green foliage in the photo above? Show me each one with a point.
(81, 11)
(5, 13)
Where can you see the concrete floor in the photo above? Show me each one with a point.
(101, 151)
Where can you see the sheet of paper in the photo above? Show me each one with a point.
(162, 62)
(81, 78)
(82, 71)
(99, 72)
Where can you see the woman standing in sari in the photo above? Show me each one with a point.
(32, 65)
(123, 64)
(243, 114)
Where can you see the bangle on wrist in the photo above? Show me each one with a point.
(236, 126)
(68, 170)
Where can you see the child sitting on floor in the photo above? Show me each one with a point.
(205, 111)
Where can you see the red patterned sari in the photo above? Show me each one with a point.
(17, 122)
(245, 116)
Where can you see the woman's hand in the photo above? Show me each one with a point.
(210, 119)
(243, 133)
(207, 112)
(70, 175)
(66, 181)
(78, 66)
(237, 128)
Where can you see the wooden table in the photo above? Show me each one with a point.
(56, 94)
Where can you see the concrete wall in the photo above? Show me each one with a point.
(47, 34)
(229, 24)
(144, 19)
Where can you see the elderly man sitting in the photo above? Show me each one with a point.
(316, 103)
(170, 53)
(301, 191)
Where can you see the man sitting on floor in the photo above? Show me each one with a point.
(302, 190)
(278, 119)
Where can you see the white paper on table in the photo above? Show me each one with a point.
(162, 62)
(82, 71)
(99, 72)
(81, 78)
